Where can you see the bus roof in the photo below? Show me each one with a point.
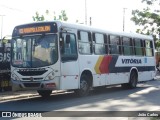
(94, 29)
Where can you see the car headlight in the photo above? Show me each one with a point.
(50, 76)
(14, 77)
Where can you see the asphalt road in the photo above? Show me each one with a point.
(144, 98)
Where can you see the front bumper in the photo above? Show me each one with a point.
(36, 85)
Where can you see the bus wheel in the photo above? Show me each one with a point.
(84, 87)
(44, 93)
(132, 82)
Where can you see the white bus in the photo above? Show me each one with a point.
(56, 55)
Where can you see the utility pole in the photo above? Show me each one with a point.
(124, 18)
(2, 82)
(90, 21)
(86, 12)
(2, 25)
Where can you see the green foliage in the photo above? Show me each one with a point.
(149, 2)
(148, 19)
(62, 16)
(37, 17)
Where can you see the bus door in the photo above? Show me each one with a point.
(69, 60)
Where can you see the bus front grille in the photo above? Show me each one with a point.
(32, 73)
(34, 79)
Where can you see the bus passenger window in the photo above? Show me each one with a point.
(127, 46)
(149, 48)
(99, 43)
(114, 44)
(84, 43)
(138, 46)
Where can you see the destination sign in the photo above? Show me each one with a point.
(35, 29)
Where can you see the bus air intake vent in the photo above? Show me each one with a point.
(31, 84)
(32, 73)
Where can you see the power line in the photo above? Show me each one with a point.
(2, 25)
(124, 18)
(10, 8)
(86, 12)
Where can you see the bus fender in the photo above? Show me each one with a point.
(89, 74)
(133, 69)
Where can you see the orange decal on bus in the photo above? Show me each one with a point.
(96, 68)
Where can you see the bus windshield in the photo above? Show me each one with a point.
(34, 51)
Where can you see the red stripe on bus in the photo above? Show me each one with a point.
(104, 66)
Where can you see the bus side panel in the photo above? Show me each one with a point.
(148, 72)
(99, 80)
(92, 63)
(104, 69)
(145, 76)
(117, 73)
(69, 82)
(117, 78)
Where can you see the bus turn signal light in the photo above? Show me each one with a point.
(50, 85)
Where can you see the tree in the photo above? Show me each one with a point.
(148, 19)
(62, 16)
(37, 17)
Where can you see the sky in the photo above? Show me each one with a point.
(106, 14)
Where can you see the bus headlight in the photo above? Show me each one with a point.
(14, 77)
(50, 76)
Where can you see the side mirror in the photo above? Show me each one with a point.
(67, 39)
(61, 42)
(0, 43)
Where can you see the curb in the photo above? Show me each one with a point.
(15, 95)
(23, 94)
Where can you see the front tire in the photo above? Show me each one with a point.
(44, 93)
(84, 87)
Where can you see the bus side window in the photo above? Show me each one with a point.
(127, 46)
(99, 43)
(114, 44)
(84, 42)
(149, 48)
(138, 47)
